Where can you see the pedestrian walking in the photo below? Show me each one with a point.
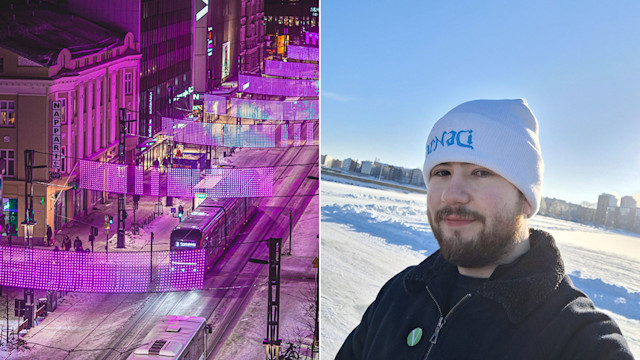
(66, 243)
(49, 235)
(77, 244)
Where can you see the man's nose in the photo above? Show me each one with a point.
(456, 191)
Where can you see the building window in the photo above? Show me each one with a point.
(128, 88)
(63, 106)
(8, 167)
(7, 114)
(1, 64)
(63, 158)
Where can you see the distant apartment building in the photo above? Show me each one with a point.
(606, 202)
(626, 213)
(405, 176)
(336, 164)
(628, 202)
(349, 164)
(328, 161)
(366, 167)
(60, 92)
(417, 178)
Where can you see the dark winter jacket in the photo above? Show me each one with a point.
(526, 310)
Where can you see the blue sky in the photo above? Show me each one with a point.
(391, 69)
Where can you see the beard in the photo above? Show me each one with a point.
(488, 246)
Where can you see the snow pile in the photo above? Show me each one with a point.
(371, 233)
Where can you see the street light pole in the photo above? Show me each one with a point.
(169, 199)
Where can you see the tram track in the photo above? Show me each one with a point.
(236, 281)
(240, 304)
(142, 320)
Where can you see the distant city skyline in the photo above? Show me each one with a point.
(383, 87)
(592, 203)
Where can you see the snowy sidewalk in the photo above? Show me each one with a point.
(297, 296)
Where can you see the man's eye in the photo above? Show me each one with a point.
(440, 173)
(483, 173)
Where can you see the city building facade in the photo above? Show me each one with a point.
(60, 94)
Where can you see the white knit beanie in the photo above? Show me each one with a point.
(501, 135)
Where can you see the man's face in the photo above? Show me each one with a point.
(475, 214)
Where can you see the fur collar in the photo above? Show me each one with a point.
(518, 287)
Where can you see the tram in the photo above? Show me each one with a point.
(174, 338)
(212, 226)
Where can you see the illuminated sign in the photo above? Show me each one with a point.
(184, 93)
(210, 42)
(226, 60)
(185, 244)
(56, 118)
(150, 102)
(204, 10)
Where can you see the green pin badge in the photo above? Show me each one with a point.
(414, 337)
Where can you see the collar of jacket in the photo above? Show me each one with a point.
(518, 287)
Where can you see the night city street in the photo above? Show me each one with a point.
(159, 177)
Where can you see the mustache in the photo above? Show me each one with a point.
(459, 211)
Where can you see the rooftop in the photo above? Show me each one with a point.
(40, 32)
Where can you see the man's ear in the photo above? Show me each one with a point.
(527, 209)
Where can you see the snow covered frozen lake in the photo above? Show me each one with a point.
(369, 233)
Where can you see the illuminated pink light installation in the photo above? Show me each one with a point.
(181, 182)
(284, 140)
(215, 104)
(275, 110)
(155, 182)
(303, 53)
(237, 182)
(292, 69)
(181, 270)
(139, 180)
(247, 182)
(311, 37)
(230, 135)
(103, 176)
(101, 272)
(265, 109)
(296, 134)
(255, 182)
(309, 134)
(274, 86)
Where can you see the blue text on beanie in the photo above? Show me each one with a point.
(501, 135)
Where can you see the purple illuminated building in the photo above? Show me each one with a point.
(66, 84)
(290, 21)
(163, 33)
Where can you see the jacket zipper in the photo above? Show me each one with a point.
(442, 321)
